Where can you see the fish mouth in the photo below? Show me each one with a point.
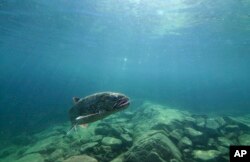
(123, 102)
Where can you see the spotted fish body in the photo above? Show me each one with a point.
(96, 107)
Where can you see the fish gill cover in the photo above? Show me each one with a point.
(191, 55)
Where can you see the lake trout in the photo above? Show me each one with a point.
(95, 107)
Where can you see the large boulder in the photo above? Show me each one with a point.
(153, 146)
(157, 117)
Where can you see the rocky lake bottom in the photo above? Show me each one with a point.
(149, 133)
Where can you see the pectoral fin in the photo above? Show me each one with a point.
(75, 99)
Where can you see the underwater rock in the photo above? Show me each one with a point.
(241, 120)
(223, 150)
(232, 128)
(164, 148)
(36, 157)
(96, 138)
(111, 141)
(191, 132)
(225, 141)
(206, 155)
(211, 142)
(176, 134)
(126, 139)
(212, 124)
(185, 142)
(81, 158)
(119, 158)
(221, 121)
(153, 156)
(158, 117)
(105, 149)
(244, 139)
(106, 153)
(117, 130)
(57, 154)
(189, 119)
(231, 135)
(71, 152)
(88, 146)
(200, 121)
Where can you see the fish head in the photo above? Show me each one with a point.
(115, 101)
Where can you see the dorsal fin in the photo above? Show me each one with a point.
(75, 99)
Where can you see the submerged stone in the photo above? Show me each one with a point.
(163, 148)
(127, 139)
(81, 158)
(200, 122)
(221, 121)
(111, 141)
(57, 154)
(158, 117)
(96, 138)
(88, 146)
(243, 120)
(185, 141)
(192, 132)
(206, 155)
(244, 139)
(118, 159)
(225, 141)
(223, 150)
(212, 124)
(189, 119)
(176, 134)
(153, 156)
(211, 142)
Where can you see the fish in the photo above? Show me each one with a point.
(96, 107)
